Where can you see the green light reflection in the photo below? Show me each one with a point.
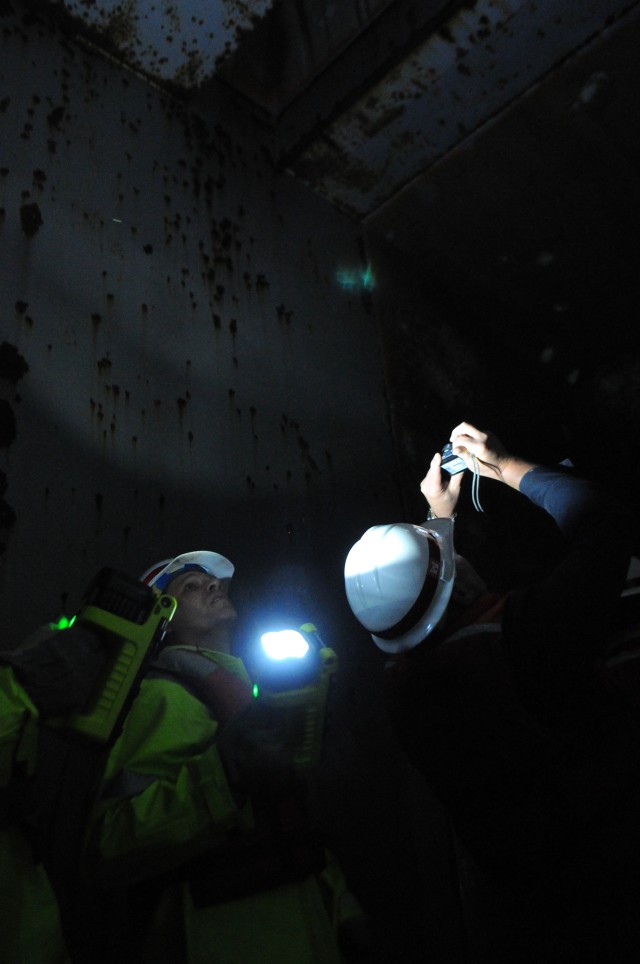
(352, 279)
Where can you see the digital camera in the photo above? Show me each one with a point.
(451, 462)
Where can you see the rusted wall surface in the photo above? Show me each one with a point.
(292, 45)
(457, 79)
(189, 358)
(179, 42)
(507, 262)
(196, 374)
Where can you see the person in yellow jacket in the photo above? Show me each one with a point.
(51, 674)
(200, 839)
(30, 927)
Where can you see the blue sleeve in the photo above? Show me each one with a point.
(567, 498)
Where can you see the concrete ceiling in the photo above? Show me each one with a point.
(495, 143)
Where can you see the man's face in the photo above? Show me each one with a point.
(203, 605)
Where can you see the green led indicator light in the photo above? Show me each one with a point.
(255, 691)
(63, 623)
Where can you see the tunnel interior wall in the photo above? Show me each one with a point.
(181, 366)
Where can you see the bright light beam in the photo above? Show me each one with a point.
(285, 644)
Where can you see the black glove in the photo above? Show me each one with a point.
(61, 672)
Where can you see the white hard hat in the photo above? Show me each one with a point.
(398, 580)
(162, 573)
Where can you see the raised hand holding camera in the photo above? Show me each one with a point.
(485, 454)
(441, 489)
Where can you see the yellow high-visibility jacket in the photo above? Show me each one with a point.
(30, 927)
(166, 800)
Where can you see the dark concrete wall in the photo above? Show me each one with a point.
(182, 366)
(453, 352)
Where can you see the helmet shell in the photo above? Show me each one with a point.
(162, 573)
(398, 580)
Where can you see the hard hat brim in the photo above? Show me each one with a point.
(210, 562)
(399, 616)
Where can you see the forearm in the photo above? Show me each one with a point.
(558, 490)
(568, 499)
(513, 470)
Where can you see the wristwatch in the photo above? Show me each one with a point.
(431, 515)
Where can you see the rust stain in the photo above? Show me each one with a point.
(12, 365)
(284, 315)
(120, 26)
(7, 424)
(56, 116)
(191, 72)
(31, 219)
(372, 126)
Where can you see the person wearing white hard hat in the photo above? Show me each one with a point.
(201, 839)
(199, 580)
(505, 705)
